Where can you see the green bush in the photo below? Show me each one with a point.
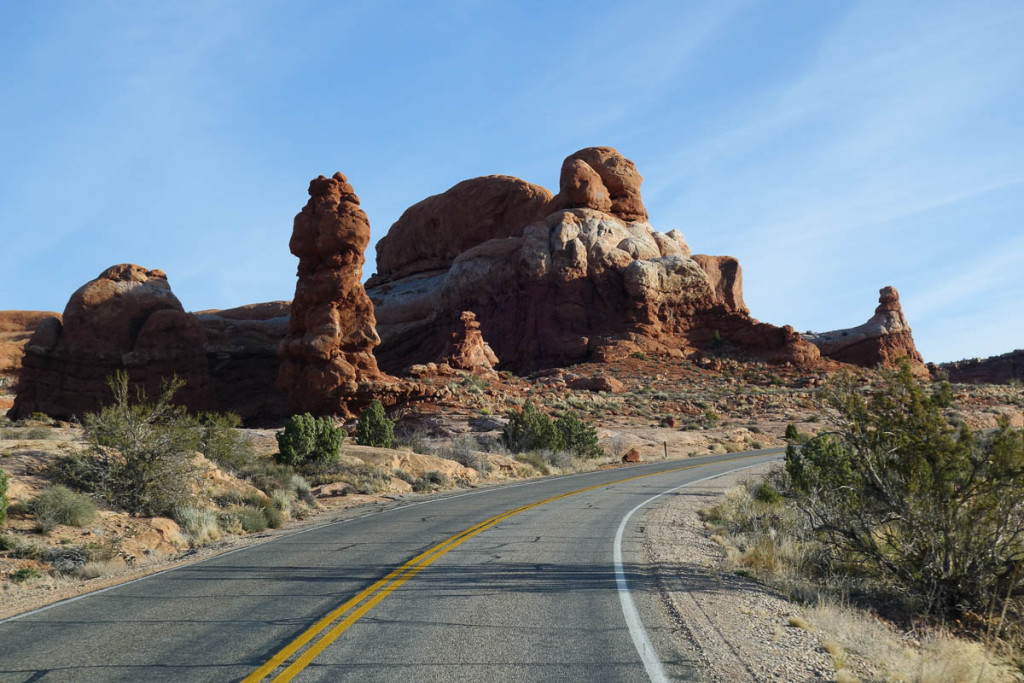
(222, 443)
(59, 505)
(4, 502)
(933, 510)
(308, 440)
(577, 436)
(430, 481)
(529, 430)
(374, 428)
(792, 433)
(532, 430)
(142, 450)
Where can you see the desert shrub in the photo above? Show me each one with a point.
(792, 433)
(577, 437)
(303, 491)
(252, 519)
(223, 444)
(374, 428)
(200, 526)
(4, 502)
(25, 574)
(466, 451)
(535, 460)
(529, 429)
(404, 475)
(142, 450)
(268, 475)
(430, 481)
(935, 511)
(67, 560)
(308, 440)
(59, 505)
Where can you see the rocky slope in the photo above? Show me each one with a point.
(589, 280)
(882, 340)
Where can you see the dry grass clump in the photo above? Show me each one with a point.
(200, 525)
(885, 656)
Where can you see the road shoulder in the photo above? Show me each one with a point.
(737, 629)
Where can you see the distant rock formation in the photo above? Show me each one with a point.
(127, 318)
(1008, 367)
(327, 363)
(467, 349)
(16, 327)
(881, 341)
(559, 280)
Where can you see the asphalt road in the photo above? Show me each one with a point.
(443, 589)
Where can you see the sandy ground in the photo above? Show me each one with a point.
(739, 628)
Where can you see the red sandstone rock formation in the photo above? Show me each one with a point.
(600, 178)
(993, 370)
(882, 340)
(726, 279)
(633, 455)
(127, 318)
(327, 362)
(16, 327)
(467, 349)
(241, 353)
(430, 234)
(589, 281)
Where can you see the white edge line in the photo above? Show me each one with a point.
(489, 489)
(652, 664)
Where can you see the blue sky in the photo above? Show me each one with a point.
(834, 147)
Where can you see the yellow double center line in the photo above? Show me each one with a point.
(379, 590)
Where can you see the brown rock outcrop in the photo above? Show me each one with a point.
(430, 234)
(16, 327)
(589, 282)
(125, 319)
(327, 362)
(1008, 367)
(600, 178)
(467, 349)
(881, 341)
(726, 279)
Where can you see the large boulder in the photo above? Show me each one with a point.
(590, 280)
(881, 341)
(602, 179)
(126, 319)
(327, 362)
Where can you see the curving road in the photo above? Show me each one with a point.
(512, 583)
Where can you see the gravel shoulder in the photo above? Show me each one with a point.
(738, 628)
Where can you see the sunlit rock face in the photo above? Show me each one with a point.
(556, 280)
(881, 341)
